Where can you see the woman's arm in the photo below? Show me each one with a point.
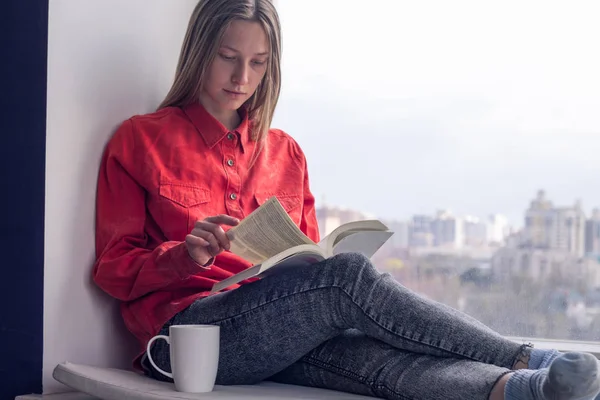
(128, 266)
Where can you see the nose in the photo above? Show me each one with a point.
(240, 75)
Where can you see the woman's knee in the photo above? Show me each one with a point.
(352, 263)
(353, 258)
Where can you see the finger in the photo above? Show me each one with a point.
(213, 244)
(198, 249)
(223, 220)
(217, 232)
(196, 241)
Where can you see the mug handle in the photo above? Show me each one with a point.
(166, 338)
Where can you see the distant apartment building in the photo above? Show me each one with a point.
(498, 229)
(401, 237)
(330, 218)
(556, 228)
(448, 230)
(538, 220)
(551, 246)
(421, 234)
(476, 232)
(592, 234)
(479, 232)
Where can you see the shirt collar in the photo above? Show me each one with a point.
(213, 131)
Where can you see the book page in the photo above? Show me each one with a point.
(300, 258)
(366, 242)
(339, 233)
(266, 232)
(304, 251)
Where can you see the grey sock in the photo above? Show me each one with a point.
(526, 384)
(572, 376)
(540, 359)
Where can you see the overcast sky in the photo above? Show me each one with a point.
(407, 107)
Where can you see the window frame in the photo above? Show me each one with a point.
(560, 345)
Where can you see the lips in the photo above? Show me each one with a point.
(233, 92)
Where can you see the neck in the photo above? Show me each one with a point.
(229, 118)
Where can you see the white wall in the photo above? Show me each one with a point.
(107, 60)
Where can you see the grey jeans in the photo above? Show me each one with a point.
(343, 325)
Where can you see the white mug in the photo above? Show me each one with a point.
(194, 351)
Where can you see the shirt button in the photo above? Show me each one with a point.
(230, 163)
(230, 136)
(233, 196)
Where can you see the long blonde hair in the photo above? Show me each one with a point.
(206, 27)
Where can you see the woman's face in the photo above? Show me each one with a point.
(238, 68)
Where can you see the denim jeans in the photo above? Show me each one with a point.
(340, 324)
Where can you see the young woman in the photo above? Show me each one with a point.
(172, 182)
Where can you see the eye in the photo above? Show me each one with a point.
(257, 62)
(228, 58)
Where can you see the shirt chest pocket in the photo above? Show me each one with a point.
(292, 203)
(180, 206)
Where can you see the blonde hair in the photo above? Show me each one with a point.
(206, 27)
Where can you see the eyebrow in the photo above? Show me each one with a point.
(264, 53)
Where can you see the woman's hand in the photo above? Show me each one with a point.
(208, 239)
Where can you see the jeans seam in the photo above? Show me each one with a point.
(400, 395)
(353, 375)
(337, 370)
(352, 300)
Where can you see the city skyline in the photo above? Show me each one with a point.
(516, 225)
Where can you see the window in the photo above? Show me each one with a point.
(469, 129)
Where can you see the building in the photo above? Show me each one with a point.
(329, 218)
(592, 235)
(476, 232)
(538, 219)
(448, 230)
(401, 237)
(556, 228)
(498, 229)
(421, 234)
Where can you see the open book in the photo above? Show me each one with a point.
(270, 240)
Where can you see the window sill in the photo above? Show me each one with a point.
(560, 345)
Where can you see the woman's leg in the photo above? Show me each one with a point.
(353, 362)
(271, 323)
(356, 363)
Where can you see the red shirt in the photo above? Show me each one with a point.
(162, 172)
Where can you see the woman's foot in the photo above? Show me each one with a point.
(540, 359)
(571, 376)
